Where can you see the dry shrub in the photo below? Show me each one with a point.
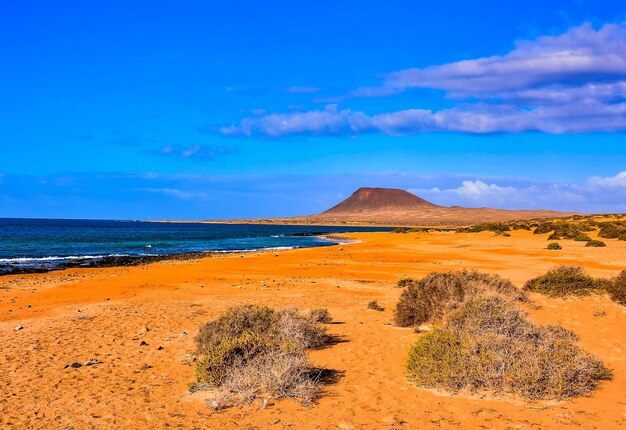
(320, 315)
(254, 351)
(596, 244)
(582, 237)
(290, 326)
(405, 282)
(375, 306)
(281, 374)
(555, 246)
(564, 280)
(617, 288)
(430, 298)
(488, 345)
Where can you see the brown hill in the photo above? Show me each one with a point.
(393, 206)
(367, 199)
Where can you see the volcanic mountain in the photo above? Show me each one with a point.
(392, 206)
(366, 200)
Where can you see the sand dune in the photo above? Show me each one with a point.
(75, 315)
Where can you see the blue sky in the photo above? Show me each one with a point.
(248, 109)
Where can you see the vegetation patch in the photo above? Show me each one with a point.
(375, 306)
(596, 244)
(405, 282)
(564, 281)
(582, 237)
(488, 226)
(617, 288)
(433, 296)
(257, 352)
(563, 229)
(488, 345)
(554, 246)
(320, 315)
(612, 230)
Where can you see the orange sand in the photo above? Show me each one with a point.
(74, 315)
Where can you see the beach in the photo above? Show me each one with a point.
(138, 324)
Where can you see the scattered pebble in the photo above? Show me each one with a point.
(143, 343)
(19, 327)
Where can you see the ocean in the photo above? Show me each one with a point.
(47, 244)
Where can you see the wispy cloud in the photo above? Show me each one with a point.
(194, 151)
(328, 121)
(578, 56)
(172, 192)
(301, 90)
(574, 82)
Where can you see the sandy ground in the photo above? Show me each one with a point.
(75, 315)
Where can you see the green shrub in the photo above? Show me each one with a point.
(596, 244)
(430, 298)
(488, 226)
(559, 229)
(234, 323)
(563, 281)
(622, 236)
(612, 230)
(582, 237)
(253, 351)
(213, 367)
(544, 227)
(554, 246)
(399, 230)
(489, 345)
(617, 288)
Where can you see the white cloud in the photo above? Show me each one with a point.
(580, 53)
(574, 82)
(618, 180)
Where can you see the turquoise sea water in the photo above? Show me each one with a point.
(44, 243)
